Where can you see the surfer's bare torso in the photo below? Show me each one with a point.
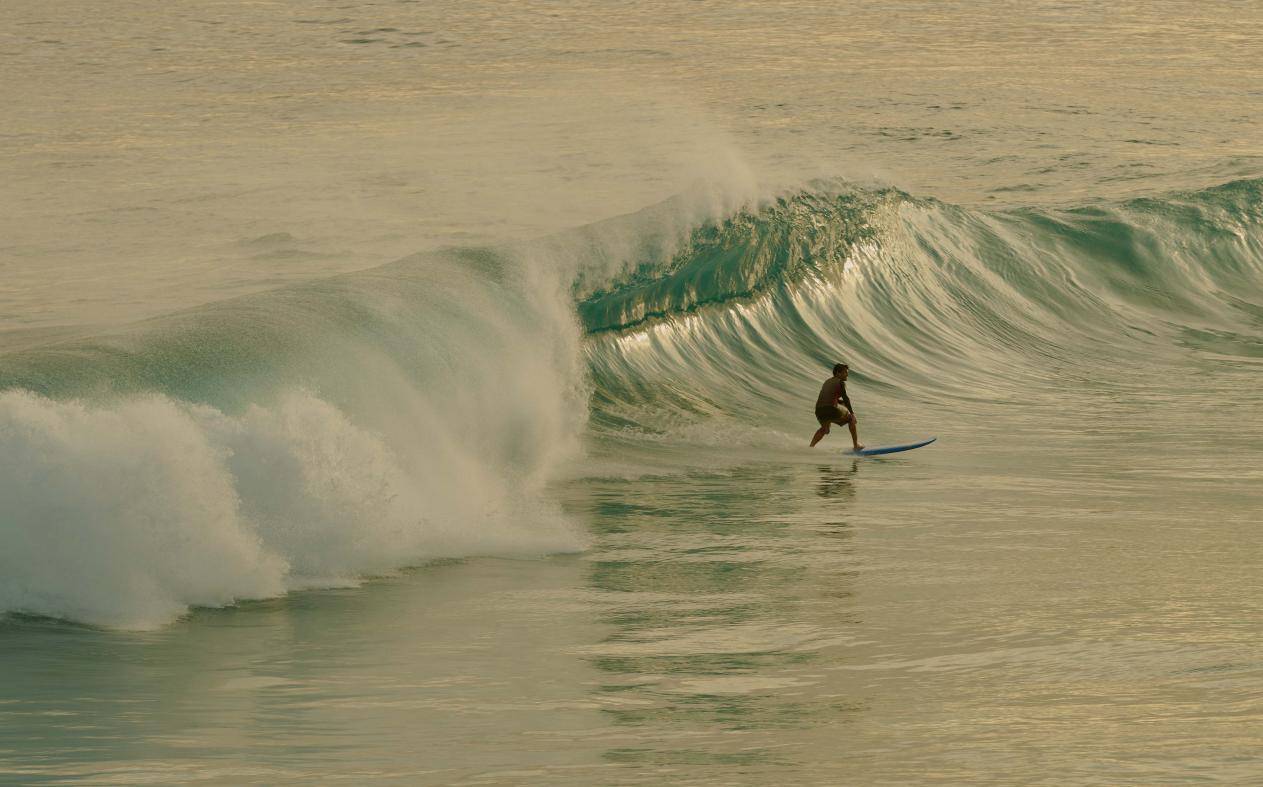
(833, 406)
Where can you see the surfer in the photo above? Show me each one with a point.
(828, 411)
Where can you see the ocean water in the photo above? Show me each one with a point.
(419, 393)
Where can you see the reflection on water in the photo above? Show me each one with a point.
(718, 633)
(838, 480)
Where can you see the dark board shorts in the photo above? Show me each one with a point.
(836, 414)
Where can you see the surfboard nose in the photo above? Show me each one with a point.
(891, 449)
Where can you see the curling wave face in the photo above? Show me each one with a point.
(347, 427)
(926, 301)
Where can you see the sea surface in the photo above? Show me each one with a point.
(419, 392)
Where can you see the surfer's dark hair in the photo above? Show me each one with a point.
(837, 367)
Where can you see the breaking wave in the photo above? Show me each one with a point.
(351, 426)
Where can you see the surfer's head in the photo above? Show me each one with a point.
(840, 370)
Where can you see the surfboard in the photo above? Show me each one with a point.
(890, 449)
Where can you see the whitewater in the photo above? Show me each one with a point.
(422, 394)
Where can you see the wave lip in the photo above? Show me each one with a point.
(741, 256)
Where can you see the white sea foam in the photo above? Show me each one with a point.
(342, 431)
(128, 513)
(308, 437)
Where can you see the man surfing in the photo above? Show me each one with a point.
(828, 411)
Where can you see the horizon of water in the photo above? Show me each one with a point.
(418, 393)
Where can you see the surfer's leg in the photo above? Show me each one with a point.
(819, 435)
(855, 438)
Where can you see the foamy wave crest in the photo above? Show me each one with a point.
(308, 437)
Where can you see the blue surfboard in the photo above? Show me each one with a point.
(890, 449)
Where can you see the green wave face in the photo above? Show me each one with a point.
(926, 301)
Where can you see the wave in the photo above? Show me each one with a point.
(351, 426)
(926, 301)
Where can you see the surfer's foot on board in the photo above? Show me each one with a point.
(859, 447)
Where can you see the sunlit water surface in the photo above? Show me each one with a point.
(1064, 589)
(1077, 606)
